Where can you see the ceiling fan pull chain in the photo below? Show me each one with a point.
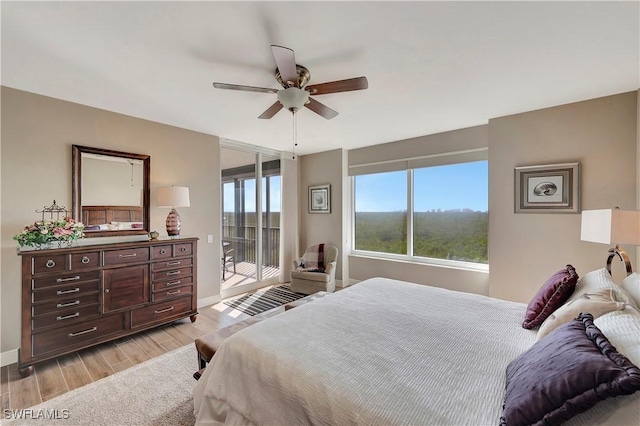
(295, 136)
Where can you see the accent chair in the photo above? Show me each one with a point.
(309, 277)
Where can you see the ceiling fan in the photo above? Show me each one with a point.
(296, 93)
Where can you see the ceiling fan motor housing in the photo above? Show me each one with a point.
(293, 98)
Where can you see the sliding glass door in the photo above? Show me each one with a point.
(251, 188)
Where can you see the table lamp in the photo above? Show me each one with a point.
(612, 226)
(173, 196)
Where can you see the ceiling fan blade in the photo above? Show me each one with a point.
(358, 83)
(273, 109)
(286, 63)
(321, 109)
(244, 88)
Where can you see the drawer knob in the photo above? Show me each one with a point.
(128, 255)
(85, 260)
(106, 290)
(163, 251)
(173, 283)
(50, 263)
(183, 249)
(173, 273)
(169, 293)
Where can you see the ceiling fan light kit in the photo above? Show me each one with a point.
(293, 98)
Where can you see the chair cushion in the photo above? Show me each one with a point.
(311, 276)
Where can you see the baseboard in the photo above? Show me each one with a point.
(8, 357)
(211, 300)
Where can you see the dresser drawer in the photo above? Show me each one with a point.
(65, 291)
(118, 257)
(172, 274)
(162, 252)
(49, 263)
(67, 317)
(62, 279)
(174, 292)
(65, 303)
(85, 260)
(172, 264)
(167, 285)
(184, 249)
(160, 311)
(77, 334)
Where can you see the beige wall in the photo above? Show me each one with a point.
(318, 169)
(37, 134)
(525, 249)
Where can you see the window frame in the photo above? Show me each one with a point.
(457, 264)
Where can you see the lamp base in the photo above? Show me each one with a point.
(173, 223)
(617, 251)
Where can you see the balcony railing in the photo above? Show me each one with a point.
(243, 242)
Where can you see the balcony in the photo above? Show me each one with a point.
(243, 242)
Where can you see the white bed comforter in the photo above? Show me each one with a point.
(378, 353)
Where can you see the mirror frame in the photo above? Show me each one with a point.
(76, 188)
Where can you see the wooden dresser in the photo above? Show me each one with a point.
(77, 297)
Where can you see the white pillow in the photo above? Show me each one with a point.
(598, 280)
(622, 328)
(125, 225)
(631, 284)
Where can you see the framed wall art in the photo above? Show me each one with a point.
(549, 188)
(320, 199)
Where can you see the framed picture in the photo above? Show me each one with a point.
(550, 188)
(320, 199)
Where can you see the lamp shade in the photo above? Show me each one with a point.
(611, 226)
(173, 196)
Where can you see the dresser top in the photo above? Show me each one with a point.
(109, 242)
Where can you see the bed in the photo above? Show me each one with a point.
(389, 352)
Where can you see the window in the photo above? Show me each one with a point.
(444, 210)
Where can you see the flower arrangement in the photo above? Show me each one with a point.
(43, 233)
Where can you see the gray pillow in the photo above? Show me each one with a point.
(564, 374)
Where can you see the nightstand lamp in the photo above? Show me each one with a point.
(612, 226)
(173, 196)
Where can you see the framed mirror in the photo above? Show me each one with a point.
(110, 191)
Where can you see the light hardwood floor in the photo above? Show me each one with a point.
(57, 376)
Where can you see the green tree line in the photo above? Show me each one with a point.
(455, 235)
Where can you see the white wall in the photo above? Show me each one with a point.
(37, 134)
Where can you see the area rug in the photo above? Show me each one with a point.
(264, 300)
(156, 392)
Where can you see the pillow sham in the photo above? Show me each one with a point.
(601, 279)
(127, 225)
(631, 285)
(550, 297)
(565, 374)
(597, 303)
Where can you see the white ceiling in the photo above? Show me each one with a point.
(431, 66)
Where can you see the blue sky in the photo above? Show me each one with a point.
(250, 197)
(454, 186)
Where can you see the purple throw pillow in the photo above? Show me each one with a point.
(564, 374)
(550, 297)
